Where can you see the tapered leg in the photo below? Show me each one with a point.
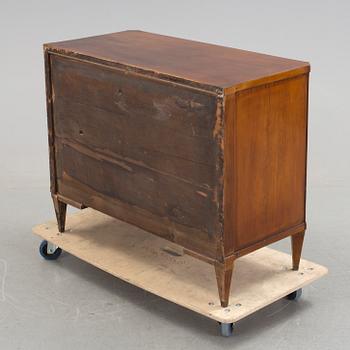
(223, 273)
(60, 210)
(297, 246)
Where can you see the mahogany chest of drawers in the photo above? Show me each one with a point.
(201, 144)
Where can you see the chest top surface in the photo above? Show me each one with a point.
(186, 60)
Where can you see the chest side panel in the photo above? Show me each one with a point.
(139, 149)
(269, 159)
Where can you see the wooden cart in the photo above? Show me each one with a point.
(141, 258)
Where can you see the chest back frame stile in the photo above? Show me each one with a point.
(201, 144)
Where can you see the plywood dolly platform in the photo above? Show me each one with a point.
(160, 267)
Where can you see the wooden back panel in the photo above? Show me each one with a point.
(142, 150)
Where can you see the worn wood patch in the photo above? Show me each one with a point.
(151, 146)
(137, 186)
(145, 114)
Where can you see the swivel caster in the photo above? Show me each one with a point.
(49, 251)
(226, 329)
(295, 295)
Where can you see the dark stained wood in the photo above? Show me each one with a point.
(192, 239)
(200, 144)
(297, 246)
(60, 211)
(179, 59)
(136, 186)
(229, 180)
(51, 132)
(223, 272)
(70, 202)
(137, 116)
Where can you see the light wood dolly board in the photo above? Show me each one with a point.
(146, 261)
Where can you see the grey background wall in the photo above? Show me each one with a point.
(70, 304)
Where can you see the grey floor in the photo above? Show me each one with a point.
(68, 304)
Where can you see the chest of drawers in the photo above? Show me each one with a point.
(201, 144)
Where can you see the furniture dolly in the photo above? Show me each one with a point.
(162, 268)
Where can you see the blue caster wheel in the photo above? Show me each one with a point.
(226, 329)
(49, 251)
(295, 295)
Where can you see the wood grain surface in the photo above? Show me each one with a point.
(201, 144)
(154, 150)
(210, 66)
(270, 159)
